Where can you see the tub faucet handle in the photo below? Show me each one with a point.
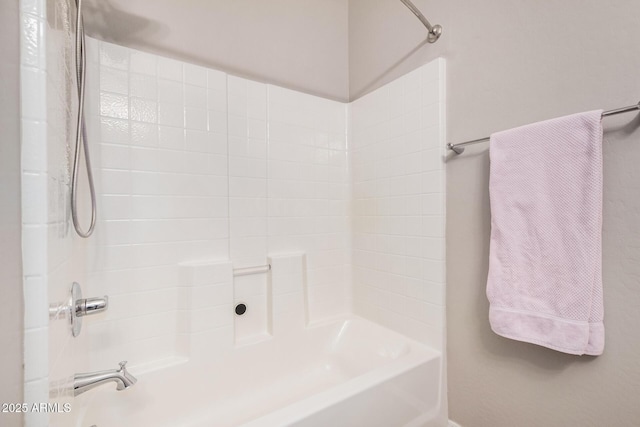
(78, 307)
(87, 306)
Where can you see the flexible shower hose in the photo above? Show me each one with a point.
(81, 133)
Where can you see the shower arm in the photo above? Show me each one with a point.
(434, 30)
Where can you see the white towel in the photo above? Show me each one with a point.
(545, 279)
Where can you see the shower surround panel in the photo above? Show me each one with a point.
(163, 189)
(52, 257)
(397, 140)
(187, 172)
(192, 164)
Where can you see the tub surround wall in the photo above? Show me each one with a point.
(397, 137)
(187, 171)
(308, 194)
(169, 192)
(197, 173)
(247, 121)
(206, 317)
(288, 192)
(53, 257)
(288, 293)
(398, 220)
(159, 130)
(161, 167)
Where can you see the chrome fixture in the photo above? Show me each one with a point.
(81, 133)
(75, 308)
(252, 270)
(435, 31)
(87, 381)
(459, 147)
(79, 307)
(91, 306)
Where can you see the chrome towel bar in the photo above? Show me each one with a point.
(459, 147)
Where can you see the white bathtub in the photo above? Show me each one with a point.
(345, 373)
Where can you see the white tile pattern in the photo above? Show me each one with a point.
(308, 193)
(398, 204)
(163, 198)
(194, 165)
(287, 290)
(247, 121)
(46, 85)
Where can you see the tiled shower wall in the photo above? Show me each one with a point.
(192, 164)
(161, 175)
(53, 257)
(398, 204)
(185, 170)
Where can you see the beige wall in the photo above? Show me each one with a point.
(11, 269)
(299, 44)
(510, 63)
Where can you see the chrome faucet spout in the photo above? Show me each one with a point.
(87, 381)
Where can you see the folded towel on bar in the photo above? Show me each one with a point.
(545, 263)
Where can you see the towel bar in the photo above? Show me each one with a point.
(459, 147)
